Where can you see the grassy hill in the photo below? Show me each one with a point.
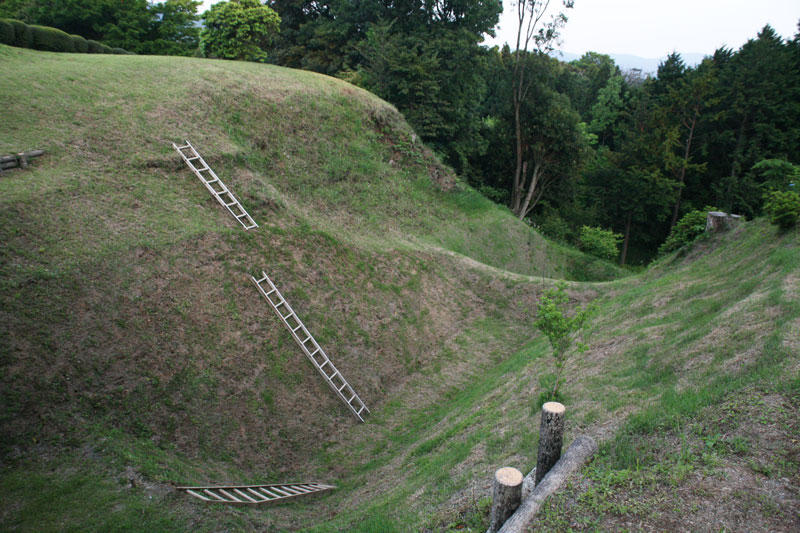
(136, 355)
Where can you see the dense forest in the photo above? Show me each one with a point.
(585, 145)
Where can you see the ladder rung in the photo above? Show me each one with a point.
(229, 495)
(232, 203)
(240, 216)
(323, 364)
(282, 302)
(270, 292)
(198, 495)
(298, 327)
(203, 169)
(214, 495)
(258, 494)
(331, 376)
(243, 495)
(287, 316)
(184, 147)
(193, 158)
(351, 398)
(312, 353)
(209, 182)
(269, 494)
(362, 408)
(342, 387)
(307, 339)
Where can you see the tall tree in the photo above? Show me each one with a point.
(685, 102)
(239, 29)
(533, 29)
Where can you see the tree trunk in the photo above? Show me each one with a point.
(537, 171)
(624, 255)
(574, 458)
(516, 191)
(551, 438)
(506, 496)
(682, 177)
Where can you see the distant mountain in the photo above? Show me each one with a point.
(631, 62)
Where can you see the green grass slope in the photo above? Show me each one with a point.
(136, 355)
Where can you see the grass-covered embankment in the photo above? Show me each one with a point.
(136, 355)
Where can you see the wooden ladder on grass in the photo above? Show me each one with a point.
(309, 345)
(254, 493)
(214, 185)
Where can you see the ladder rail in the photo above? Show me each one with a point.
(355, 404)
(244, 217)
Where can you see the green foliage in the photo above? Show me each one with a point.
(239, 29)
(553, 319)
(553, 225)
(173, 29)
(17, 33)
(51, 39)
(80, 44)
(168, 27)
(782, 208)
(689, 227)
(6, 32)
(608, 108)
(775, 174)
(95, 47)
(23, 35)
(602, 243)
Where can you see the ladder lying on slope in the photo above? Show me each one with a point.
(309, 345)
(254, 493)
(214, 185)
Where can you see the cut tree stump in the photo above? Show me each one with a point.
(717, 221)
(506, 496)
(551, 438)
(573, 459)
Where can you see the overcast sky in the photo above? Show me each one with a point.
(654, 28)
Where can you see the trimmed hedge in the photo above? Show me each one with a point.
(6, 32)
(17, 33)
(51, 39)
(80, 44)
(98, 48)
(23, 34)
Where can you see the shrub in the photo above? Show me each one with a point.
(51, 39)
(553, 320)
(783, 208)
(105, 49)
(553, 225)
(95, 47)
(80, 44)
(600, 242)
(689, 227)
(6, 32)
(23, 35)
(119, 51)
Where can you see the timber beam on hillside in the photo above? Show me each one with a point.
(20, 160)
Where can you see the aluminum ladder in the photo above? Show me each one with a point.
(309, 345)
(254, 493)
(214, 185)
